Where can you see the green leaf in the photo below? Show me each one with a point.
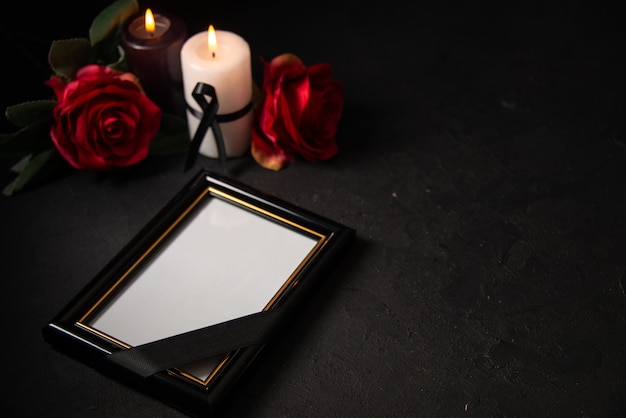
(111, 54)
(111, 18)
(30, 139)
(68, 55)
(173, 136)
(27, 113)
(33, 169)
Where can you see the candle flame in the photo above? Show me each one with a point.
(212, 41)
(150, 25)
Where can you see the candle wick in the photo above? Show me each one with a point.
(213, 53)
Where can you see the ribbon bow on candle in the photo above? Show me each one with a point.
(207, 118)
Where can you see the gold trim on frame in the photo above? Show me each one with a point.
(321, 239)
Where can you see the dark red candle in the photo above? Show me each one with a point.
(154, 57)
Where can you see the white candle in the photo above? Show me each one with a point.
(229, 71)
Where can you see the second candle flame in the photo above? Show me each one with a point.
(212, 41)
(149, 22)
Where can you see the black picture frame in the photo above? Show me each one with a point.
(174, 315)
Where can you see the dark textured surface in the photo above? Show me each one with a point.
(483, 165)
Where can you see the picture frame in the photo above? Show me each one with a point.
(185, 307)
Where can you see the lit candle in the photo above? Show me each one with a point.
(152, 45)
(220, 59)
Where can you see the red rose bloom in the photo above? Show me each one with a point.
(298, 114)
(103, 119)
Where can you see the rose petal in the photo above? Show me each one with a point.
(275, 161)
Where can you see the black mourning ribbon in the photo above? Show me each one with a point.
(176, 351)
(209, 118)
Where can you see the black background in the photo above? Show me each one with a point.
(482, 164)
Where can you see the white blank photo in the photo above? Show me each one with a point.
(225, 263)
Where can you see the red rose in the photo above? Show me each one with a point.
(298, 114)
(103, 119)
